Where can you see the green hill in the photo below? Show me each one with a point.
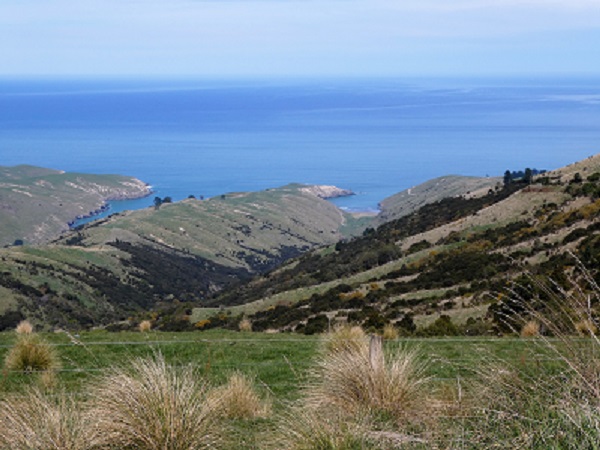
(178, 254)
(440, 268)
(37, 204)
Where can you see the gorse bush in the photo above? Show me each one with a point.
(153, 406)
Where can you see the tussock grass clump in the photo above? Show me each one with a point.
(36, 421)
(355, 381)
(24, 327)
(345, 338)
(308, 429)
(145, 326)
(31, 354)
(245, 325)
(558, 407)
(152, 406)
(238, 399)
(530, 329)
(586, 327)
(390, 332)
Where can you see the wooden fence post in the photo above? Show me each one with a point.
(376, 352)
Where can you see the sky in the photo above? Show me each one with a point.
(295, 38)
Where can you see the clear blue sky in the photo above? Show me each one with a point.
(299, 38)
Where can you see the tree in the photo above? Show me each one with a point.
(157, 202)
(167, 200)
(507, 178)
(528, 177)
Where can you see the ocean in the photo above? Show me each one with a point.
(374, 136)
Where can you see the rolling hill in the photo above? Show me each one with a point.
(37, 204)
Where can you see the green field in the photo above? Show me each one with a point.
(281, 365)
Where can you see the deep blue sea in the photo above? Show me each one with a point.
(374, 136)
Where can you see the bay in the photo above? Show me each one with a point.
(374, 136)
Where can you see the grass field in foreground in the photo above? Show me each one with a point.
(278, 361)
(280, 364)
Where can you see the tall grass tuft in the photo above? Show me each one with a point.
(245, 325)
(390, 332)
(145, 326)
(344, 338)
(352, 381)
(238, 399)
(36, 421)
(152, 406)
(308, 429)
(31, 354)
(530, 329)
(24, 327)
(558, 405)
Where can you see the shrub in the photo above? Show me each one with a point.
(39, 422)
(238, 399)
(151, 406)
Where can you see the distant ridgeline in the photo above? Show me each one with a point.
(428, 264)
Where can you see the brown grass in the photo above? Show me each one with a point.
(36, 421)
(352, 382)
(152, 406)
(344, 338)
(245, 325)
(145, 326)
(531, 329)
(31, 354)
(390, 332)
(24, 327)
(238, 399)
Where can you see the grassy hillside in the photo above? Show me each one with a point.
(443, 268)
(163, 259)
(37, 204)
(410, 200)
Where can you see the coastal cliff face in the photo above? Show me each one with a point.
(326, 191)
(37, 204)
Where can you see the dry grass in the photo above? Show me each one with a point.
(351, 381)
(36, 421)
(520, 407)
(152, 406)
(145, 326)
(390, 332)
(238, 399)
(245, 325)
(345, 338)
(24, 327)
(308, 429)
(31, 354)
(530, 329)
(586, 327)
